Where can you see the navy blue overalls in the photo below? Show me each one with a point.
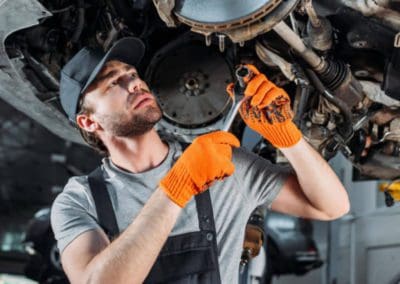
(185, 258)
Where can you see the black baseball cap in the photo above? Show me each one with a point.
(81, 70)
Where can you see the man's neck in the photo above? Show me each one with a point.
(138, 154)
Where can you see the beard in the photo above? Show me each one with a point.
(123, 124)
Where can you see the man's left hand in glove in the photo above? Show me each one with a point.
(266, 110)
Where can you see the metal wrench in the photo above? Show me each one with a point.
(243, 76)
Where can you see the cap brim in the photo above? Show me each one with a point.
(129, 50)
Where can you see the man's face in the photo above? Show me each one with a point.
(121, 102)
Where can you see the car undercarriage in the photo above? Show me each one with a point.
(338, 60)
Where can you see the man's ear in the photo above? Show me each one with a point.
(86, 122)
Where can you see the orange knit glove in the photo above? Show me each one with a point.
(266, 110)
(207, 159)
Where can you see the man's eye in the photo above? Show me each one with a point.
(133, 75)
(113, 83)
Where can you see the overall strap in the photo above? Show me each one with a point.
(104, 209)
(205, 211)
(204, 206)
(207, 225)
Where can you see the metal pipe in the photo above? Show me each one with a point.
(288, 35)
(312, 15)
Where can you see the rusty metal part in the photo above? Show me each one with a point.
(319, 118)
(378, 9)
(385, 115)
(271, 58)
(375, 93)
(164, 9)
(320, 37)
(326, 107)
(312, 15)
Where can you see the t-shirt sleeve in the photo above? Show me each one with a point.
(260, 180)
(70, 213)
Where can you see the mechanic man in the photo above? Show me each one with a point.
(168, 227)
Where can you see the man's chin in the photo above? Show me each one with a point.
(139, 124)
(153, 113)
(145, 126)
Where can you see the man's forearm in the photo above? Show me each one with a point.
(318, 181)
(129, 258)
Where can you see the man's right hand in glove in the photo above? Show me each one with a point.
(207, 159)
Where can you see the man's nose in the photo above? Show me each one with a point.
(132, 84)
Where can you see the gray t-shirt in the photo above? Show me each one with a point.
(255, 182)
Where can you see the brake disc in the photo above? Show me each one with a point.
(222, 14)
